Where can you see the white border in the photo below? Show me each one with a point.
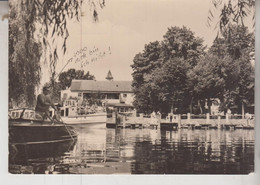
(8, 179)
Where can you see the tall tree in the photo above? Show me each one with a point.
(182, 43)
(34, 26)
(226, 72)
(174, 56)
(205, 80)
(24, 62)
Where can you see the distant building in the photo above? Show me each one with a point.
(110, 92)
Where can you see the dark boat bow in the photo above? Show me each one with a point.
(25, 131)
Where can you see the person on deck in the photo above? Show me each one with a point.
(44, 102)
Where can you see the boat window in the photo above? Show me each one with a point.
(62, 113)
(67, 112)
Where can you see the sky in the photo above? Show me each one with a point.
(124, 27)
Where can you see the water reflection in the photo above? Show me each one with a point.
(38, 158)
(146, 151)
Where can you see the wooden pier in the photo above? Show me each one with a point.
(174, 122)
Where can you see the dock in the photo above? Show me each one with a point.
(174, 122)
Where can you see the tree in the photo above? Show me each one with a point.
(226, 72)
(205, 80)
(169, 86)
(231, 12)
(55, 90)
(182, 43)
(24, 62)
(66, 77)
(34, 27)
(155, 71)
(241, 93)
(234, 42)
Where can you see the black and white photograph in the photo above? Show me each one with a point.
(131, 87)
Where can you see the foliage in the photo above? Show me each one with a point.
(55, 90)
(182, 43)
(93, 99)
(226, 72)
(243, 88)
(160, 71)
(66, 77)
(205, 77)
(34, 28)
(234, 42)
(231, 12)
(168, 85)
(176, 72)
(24, 62)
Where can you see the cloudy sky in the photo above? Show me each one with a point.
(124, 27)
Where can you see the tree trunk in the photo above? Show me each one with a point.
(209, 105)
(201, 109)
(171, 109)
(191, 105)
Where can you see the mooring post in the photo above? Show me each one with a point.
(188, 118)
(227, 118)
(207, 118)
(134, 112)
(179, 121)
(219, 117)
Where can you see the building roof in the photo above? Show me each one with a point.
(101, 86)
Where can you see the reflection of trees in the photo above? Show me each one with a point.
(207, 155)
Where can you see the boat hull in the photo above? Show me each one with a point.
(99, 118)
(37, 132)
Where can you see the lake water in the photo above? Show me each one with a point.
(141, 151)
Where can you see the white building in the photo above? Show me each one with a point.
(110, 92)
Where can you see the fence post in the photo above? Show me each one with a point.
(179, 121)
(188, 118)
(207, 118)
(219, 117)
(134, 112)
(227, 118)
(141, 117)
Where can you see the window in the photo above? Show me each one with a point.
(79, 94)
(65, 95)
(67, 112)
(62, 113)
(112, 96)
(124, 95)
